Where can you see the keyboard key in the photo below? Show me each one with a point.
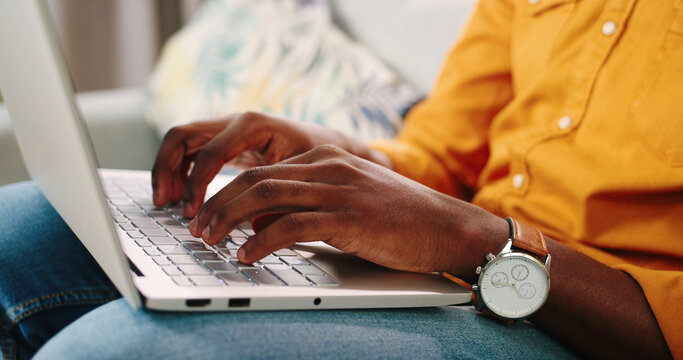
(291, 277)
(270, 259)
(196, 247)
(135, 234)
(171, 270)
(248, 232)
(173, 249)
(139, 195)
(175, 209)
(147, 204)
(262, 277)
(241, 266)
(308, 270)
(237, 234)
(285, 252)
(182, 259)
(161, 260)
(166, 217)
(168, 221)
(245, 225)
(146, 224)
(295, 260)
(187, 237)
(182, 281)
(162, 240)
(127, 227)
(275, 267)
(208, 257)
(157, 213)
(137, 217)
(122, 201)
(152, 251)
(154, 232)
(228, 245)
(221, 267)
(183, 221)
(143, 242)
(238, 242)
(323, 280)
(132, 210)
(207, 280)
(235, 279)
(193, 269)
(177, 230)
(229, 253)
(120, 219)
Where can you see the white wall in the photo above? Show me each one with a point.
(111, 43)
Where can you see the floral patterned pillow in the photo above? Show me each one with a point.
(278, 56)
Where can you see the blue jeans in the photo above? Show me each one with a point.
(57, 304)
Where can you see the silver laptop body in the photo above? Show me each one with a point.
(57, 150)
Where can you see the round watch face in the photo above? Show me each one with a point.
(514, 285)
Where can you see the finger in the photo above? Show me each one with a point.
(211, 158)
(263, 221)
(177, 142)
(179, 178)
(286, 231)
(268, 196)
(242, 183)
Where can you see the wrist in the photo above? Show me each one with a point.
(476, 235)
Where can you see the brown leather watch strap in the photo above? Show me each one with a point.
(528, 238)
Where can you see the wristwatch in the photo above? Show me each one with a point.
(514, 284)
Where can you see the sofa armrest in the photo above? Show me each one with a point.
(117, 126)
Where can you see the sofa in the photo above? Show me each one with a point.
(411, 36)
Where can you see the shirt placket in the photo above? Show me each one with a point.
(599, 43)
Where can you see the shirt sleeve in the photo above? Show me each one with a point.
(444, 143)
(664, 292)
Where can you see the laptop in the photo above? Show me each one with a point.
(147, 252)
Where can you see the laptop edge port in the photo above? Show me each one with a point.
(239, 302)
(197, 302)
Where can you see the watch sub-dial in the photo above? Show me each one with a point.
(520, 272)
(527, 290)
(499, 279)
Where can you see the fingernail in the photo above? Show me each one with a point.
(193, 226)
(206, 233)
(241, 253)
(189, 210)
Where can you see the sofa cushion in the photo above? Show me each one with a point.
(278, 56)
(411, 36)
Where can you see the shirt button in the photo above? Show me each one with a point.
(564, 123)
(609, 28)
(518, 181)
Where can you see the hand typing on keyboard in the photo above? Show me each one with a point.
(323, 192)
(211, 144)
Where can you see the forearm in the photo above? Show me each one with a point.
(600, 311)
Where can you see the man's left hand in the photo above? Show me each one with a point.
(355, 205)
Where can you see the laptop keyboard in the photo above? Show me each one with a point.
(163, 235)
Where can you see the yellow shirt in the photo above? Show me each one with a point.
(567, 115)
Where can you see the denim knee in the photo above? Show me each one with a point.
(40, 253)
(48, 278)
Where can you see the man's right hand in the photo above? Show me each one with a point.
(204, 147)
